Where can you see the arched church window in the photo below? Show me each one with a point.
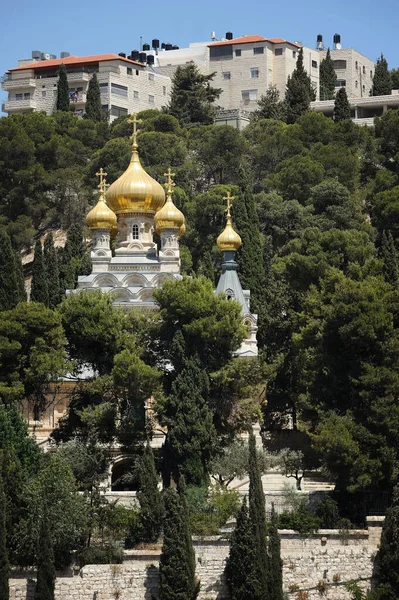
(135, 231)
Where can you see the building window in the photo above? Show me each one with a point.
(238, 52)
(356, 65)
(129, 70)
(371, 74)
(356, 83)
(227, 75)
(151, 77)
(151, 99)
(259, 50)
(294, 54)
(118, 111)
(279, 52)
(221, 52)
(341, 83)
(339, 64)
(164, 90)
(44, 93)
(135, 232)
(254, 73)
(137, 71)
(119, 90)
(18, 96)
(314, 64)
(364, 88)
(104, 87)
(27, 96)
(248, 95)
(135, 94)
(364, 70)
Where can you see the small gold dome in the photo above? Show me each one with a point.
(229, 239)
(182, 230)
(101, 216)
(169, 217)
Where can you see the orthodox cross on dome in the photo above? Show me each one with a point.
(229, 199)
(102, 175)
(170, 183)
(133, 137)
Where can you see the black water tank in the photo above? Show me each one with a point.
(135, 55)
(155, 44)
(229, 35)
(122, 54)
(150, 59)
(319, 38)
(337, 38)
(174, 47)
(142, 57)
(146, 47)
(168, 46)
(163, 46)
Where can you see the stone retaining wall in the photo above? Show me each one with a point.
(320, 563)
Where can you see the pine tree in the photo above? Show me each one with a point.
(39, 291)
(249, 256)
(45, 583)
(388, 555)
(342, 109)
(191, 437)
(390, 258)
(299, 92)
(275, 572)
(149, 497)
(205, 266)
(19, 272)
(50, 258)
(270, 105)
(62, 90)
(328, 78)
(4, 564)
(382, 80)
(257, 514)
(93, 101)
(242, 561)
(9, 289)
(177, 563)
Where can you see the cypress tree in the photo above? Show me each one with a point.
(39, 291)
(241, 564)
(388, 555)
(4, 564)
(149, 497)
(71, 258)
(205, 267)
(45, 583)
(191, 437)
(177, 563)
(19, 272)
(342, 109)
(50, 258)
(275, 573)
(257, 514)
(389, 256)
(9, 289)
(93, 101)
(299, 92)
(328, 78)
(62, 90)
(382, 80)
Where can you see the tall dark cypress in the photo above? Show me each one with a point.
(19, 273)
(149, 497)
(388, 555)
(45, 583)
(241, 571)
(62, 90)
(328, 78)
(39, 291)
(9, 289)
(342, 109)
(299, 91)
(71, 258)
(257, 514)
(177, 563)
(390, 258)
(4, 564)
(275, 572)
(382, 80)
(93, 101)
(50, 257)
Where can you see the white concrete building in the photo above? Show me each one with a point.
(127, 86)
(354, 71)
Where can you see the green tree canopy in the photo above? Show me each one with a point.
(62, 90)
(93, 100)
(342, 109)
(328, 78)
(299, 92)
(382, 81)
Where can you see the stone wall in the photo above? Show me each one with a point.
(321, 563)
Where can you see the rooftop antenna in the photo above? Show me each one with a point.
(141, 43)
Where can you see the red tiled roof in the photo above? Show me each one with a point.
(281, 41)
(73, 60)
(245, 39)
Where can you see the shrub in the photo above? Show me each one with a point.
(302, 521)
(100, 555)
(328, 513)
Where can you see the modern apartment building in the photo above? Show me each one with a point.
(354, 71)
(126, 85)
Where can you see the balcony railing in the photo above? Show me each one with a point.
(17, 105)
(16, 84)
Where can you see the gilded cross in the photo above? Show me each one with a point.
(170, 183)
(135, 122)
(102, 175)
(229, 200)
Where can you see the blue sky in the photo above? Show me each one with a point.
(96, 27)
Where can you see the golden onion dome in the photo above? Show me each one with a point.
(229, 239)
(101, 216)
(135, 190)
(169, 217)
(182, 230)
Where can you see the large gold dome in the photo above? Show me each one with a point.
(135, 190)
(101, 216)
